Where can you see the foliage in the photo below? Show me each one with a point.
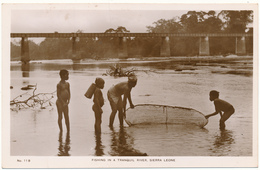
(117, 71)
(165, 26)
(236, 21)
(109, 45)
(15, 51)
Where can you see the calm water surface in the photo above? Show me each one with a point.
(35, 132)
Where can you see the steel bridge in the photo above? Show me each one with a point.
(122, 51)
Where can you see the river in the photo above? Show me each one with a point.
(35, 132)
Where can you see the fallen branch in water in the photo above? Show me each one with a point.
(117, 71)
(26, 100)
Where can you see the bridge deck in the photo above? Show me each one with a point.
(67, 35)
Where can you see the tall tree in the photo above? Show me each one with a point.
(236, 21)
(165, 26)
(200, 22)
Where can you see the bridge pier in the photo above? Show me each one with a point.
(25, 57)
(165, 47)
(75, 58)
(26, 69)
(204, 46)
(240, 46)
(122, 48)
(74, 47)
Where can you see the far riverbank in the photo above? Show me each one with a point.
(185, 59)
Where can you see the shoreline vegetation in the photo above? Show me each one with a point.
(232, 64)
(207, 59)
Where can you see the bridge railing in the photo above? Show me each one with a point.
(68, 35)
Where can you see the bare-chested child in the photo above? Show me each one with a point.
(220, 106)
(63, 94)
(117, 104)
(98, 103)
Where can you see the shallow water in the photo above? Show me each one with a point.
(35, 132)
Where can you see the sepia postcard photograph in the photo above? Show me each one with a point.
(129, 85)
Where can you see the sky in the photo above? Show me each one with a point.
(97, 18)
(87, 19)
(92, 21)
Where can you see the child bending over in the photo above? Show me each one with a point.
(115, 94)
(220, 106)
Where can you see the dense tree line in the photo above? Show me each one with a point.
(191, 22)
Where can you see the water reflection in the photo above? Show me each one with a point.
(64, 148)
(223, 142)
(26, 69)
(86, 65)
(122, 144)
(76, 66)
(99, 147)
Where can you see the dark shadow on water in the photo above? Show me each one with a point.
(122, 144)
(223, 142)
(25, 69)
(77, 67)
(224, 139)
(99, 147)
(64, 147)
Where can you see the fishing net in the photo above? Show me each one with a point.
(163, 114)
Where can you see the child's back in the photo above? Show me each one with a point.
(222, 105)
(98, 97)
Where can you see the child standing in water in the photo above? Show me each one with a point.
(63, 94)
(117, 104)
(98, 103)
(220, 106)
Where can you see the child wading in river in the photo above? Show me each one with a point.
(63, 94)
(115, 94)
(98, 103)
(220, 106)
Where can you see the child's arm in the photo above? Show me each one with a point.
(69, 93)
(124, 103)
(127, 95)
(212, 114)
(130, 99)
(216, 112)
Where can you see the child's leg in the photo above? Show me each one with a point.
(66, 116)
(121, 117)
(113, 113)
(225, 117)
(98, 120)
(113, 108)
(120, 110)
(59, 109)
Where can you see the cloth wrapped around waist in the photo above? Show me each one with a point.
(112, 95)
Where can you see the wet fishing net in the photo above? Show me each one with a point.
(163, 114)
